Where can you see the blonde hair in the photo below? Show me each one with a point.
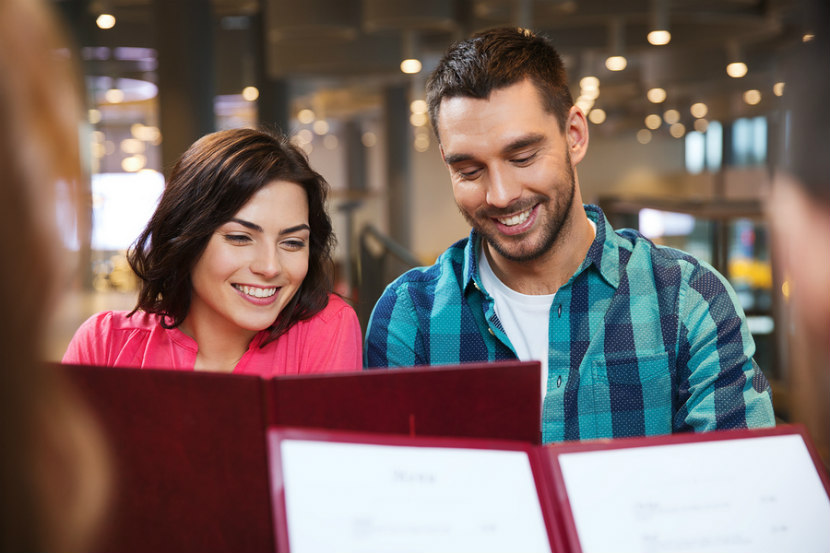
(53, 466)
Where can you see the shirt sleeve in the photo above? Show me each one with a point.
(392, 335)
(719, 384)
(335, 343)
(90, 343)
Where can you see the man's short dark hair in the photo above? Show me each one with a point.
(497, 58)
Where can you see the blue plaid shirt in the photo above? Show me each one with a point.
(644, 339)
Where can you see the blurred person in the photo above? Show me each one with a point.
(54, 470)
(235, 270)
(800, 202)
(634, 339)
(799, 212)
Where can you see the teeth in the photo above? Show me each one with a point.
(515, 219)
(256, 292)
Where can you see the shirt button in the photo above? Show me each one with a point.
(559, 311)
(491, 331)
(559, 381)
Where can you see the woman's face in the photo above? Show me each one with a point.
(253, 264)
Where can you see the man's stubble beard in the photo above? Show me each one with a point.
(551, 233)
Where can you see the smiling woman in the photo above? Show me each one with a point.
(235, 270)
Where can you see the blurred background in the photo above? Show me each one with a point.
(683, 98)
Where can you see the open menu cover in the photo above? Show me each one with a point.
(189, 449)
(741, 491)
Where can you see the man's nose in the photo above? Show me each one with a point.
(502, 190)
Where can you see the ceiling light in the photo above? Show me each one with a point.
(105, 21)
(701, 125)
(321, 127)
(736, 69)
(250, 93)
(671, 116)
(659, 38)
(656, 95)
(597, 116)
(589, 83)
(616, 40)
(653, 121)
(114, 96)
(808, 37)
(644, 136)
(778, 89)
(411, 66)
(659, 34)
(616, 63)
(369, 139)
(678, 130)
(418, 119)
(752, 97)
(305, 116)
(698, 110)
(418, 106)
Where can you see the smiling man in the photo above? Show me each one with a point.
(634, 339)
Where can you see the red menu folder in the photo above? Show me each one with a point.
(614, 495)
(190, 448)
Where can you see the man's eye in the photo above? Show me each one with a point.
(523, 160)
(469, 173)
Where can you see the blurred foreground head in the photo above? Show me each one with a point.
(52, 463)
(800, 202)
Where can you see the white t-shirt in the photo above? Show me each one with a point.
(525, 318)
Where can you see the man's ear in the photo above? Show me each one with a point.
(441, 149)
(576, 134)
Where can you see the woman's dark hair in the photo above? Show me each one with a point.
(497, 58)
(209, 184)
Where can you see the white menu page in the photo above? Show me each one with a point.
(752, 495)
(379, 498)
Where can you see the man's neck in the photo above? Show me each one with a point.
(546, 274)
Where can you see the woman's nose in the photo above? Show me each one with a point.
(267, 263)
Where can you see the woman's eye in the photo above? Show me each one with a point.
(294, 244)
(237, 238)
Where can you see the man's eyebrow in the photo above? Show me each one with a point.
(523, 142)
(457, 158)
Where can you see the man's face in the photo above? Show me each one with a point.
(511, 168)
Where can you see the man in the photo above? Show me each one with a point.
(634, 339)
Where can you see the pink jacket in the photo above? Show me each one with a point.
(328, 342)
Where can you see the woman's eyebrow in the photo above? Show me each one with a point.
(295, 228)
(247, 224)
(255, 227)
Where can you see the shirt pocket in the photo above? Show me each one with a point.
(636, 389)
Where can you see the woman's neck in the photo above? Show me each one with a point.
(220, 346)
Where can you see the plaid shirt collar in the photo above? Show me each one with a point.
(603, 255)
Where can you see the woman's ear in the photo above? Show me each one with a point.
(576, 134)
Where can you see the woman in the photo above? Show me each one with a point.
(234, 270)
